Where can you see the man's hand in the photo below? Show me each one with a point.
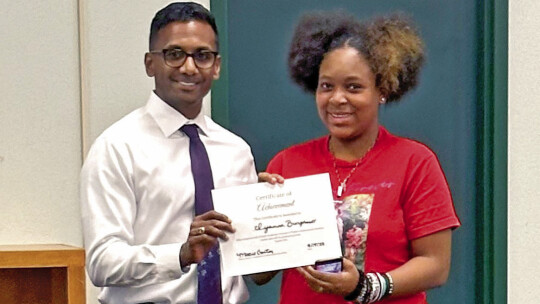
(203, 236)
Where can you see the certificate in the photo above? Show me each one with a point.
(278, 226)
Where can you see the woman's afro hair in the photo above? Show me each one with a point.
(390, 44)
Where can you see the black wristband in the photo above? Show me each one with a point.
(356, 292)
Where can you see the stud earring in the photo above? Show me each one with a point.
(383, 100)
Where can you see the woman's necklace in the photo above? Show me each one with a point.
(343, 184)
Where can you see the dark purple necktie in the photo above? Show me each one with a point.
(208, 270)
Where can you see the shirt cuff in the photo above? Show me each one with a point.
(168, 261)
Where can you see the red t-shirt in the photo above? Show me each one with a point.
(396, 194)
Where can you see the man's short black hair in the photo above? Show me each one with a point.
(183, 12)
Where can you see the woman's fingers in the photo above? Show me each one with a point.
(270, 178)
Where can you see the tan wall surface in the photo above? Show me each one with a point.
(524, 152)
(41, 139)
(40, 152)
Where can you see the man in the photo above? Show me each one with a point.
(144, 241)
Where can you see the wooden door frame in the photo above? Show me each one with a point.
(491, 221)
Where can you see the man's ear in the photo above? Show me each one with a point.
(149, 65)
(217, 67)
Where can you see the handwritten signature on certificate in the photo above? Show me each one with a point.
(278, 226)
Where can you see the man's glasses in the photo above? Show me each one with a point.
(175, 58)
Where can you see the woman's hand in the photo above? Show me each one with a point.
(342, 283)
(270, 178)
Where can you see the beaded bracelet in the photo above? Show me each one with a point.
(359, 286)
(390, 284)
(371, 287)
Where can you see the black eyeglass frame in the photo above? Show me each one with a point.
(163, 52)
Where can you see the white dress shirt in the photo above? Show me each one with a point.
(137, 201)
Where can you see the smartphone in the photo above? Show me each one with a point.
(332, 265)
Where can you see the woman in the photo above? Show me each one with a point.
(395, 212)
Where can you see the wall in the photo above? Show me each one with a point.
(54, 105)
(40, 132)
(523, 152)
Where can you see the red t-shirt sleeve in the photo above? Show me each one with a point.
(427, 202)
(276, 164)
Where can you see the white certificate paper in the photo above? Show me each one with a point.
(278, 226)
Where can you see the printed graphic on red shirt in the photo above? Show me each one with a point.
(353, 218)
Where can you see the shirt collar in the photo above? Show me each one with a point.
(168, 119)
